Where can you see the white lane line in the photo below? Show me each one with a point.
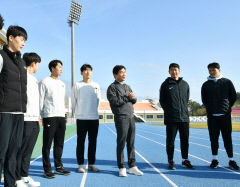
(156, 169)
(234, 137)
(199, 158)
(189, 142)
(84, 178)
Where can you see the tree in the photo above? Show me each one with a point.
(196, 109)
(237, 103)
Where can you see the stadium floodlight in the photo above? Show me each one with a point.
(74, 17)
(75, 12)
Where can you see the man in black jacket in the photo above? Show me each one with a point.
(174, 96)
(13, 100)
(218, 96)
(121, 99)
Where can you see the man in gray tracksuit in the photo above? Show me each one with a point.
(121, 99)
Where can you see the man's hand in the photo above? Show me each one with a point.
(131, 95)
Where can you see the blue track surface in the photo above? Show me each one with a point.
(151, 159)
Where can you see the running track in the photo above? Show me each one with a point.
(151, 159)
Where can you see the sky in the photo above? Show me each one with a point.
(143, 35)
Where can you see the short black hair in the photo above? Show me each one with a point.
(53, 64)
(1, 22)
(174, 65)
(117, 68)
(214, 65)
(85, 66)
(29, 58)
(15, 31)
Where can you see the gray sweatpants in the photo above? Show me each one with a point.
(125, 127)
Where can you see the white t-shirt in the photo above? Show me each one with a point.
(32, 113)
(85, 100)
(52, 98)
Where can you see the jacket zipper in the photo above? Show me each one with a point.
(20, 92)
(180, 110)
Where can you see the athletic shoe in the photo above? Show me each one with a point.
(81, 169)
(49, 175)
(134, 170)
(93, 168)
(62, 171)
(122, 172)
(187, 164)
(30, 181)
(233, 165)
(171, 165)
(214, 164)
(21, 183)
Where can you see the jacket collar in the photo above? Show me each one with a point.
(171, 80)
(12, 55)
(215, 79)
(116, 82)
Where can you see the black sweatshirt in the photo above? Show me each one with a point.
(120, 103)
(218, 97)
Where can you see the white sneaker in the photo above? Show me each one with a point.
(122, 172)
(81, 169)
(134, 170)
(30, 181)
(21, 183)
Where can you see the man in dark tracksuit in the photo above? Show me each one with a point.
(174, 96)
(121, 99)
(218, 96)
(13, 100)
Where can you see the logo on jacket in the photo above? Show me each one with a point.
(170, 88)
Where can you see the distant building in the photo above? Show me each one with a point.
(236, 111)
(144, 111)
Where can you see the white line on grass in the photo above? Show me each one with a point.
(188, 154)
(157, 170)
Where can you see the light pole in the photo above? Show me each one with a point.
(74, 17)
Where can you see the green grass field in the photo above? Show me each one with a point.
(235, 125)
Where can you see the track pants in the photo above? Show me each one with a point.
(84, 127)
(11, 131)
(183, 128)
(53, 130)
(223, 124)
(125, 127)
(30, 134)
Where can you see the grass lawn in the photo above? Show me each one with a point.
(235, 125)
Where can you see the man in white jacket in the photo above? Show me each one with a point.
(52, 111)
(85, 101)
(31, 124)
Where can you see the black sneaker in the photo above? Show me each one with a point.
(233, 165)
(187, 164)
(214, 164)
(49, 175)
(171, 165)
(62, 171)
